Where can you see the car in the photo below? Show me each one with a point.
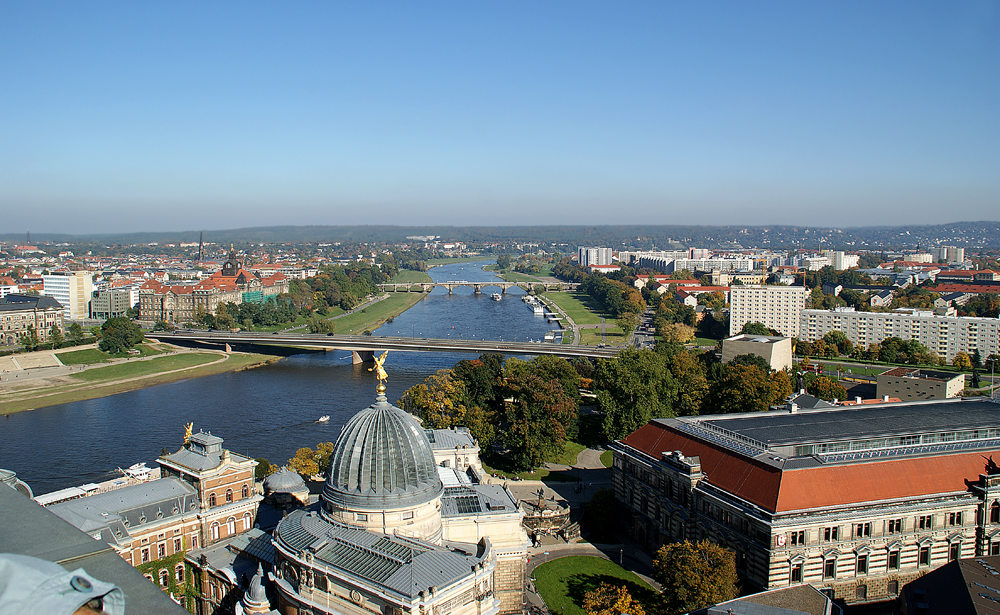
(330, 334)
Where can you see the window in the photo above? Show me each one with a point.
(361, 516)
(830, 533)
(246, 521)
(861, 592)
(925, 522)
(893, 588)
(145, 555)
(177, 545)
(862, 564)
(179, 573)
(194, 541)
(164, 578)
(830, 568)
(231, 525)
(161, 550)
(955, 518)
(954, 551)
(796, 574)
(924, 558)
(211, 499)
(215, 531)
(995, 547)
(893, 560)
(798, 538)
(246, 492)
(408, 515)
(895, 526)
(994, 512)
(862, 530)
(229, 495)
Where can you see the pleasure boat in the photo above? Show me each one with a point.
(323, 419)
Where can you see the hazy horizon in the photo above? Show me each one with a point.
(124, 118)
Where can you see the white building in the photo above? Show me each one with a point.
(943, 335)
(776, 307)
(711, 264)
(595, 256)
(72, 290)
(841, 261)
(948, 254)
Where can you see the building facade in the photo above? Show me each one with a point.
(105, 304)
(858, 500)
(911, 384)
(777, 351)
(776, 307)
(942, 335)
(20, 314)
(72, 290)
(594, 256)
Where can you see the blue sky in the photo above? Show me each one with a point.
(128, 117)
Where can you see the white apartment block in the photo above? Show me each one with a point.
(776, 307)
(841, 261)
(72, 290)
(711, 264)
(595, 256)
(944, 335)
(948, 254)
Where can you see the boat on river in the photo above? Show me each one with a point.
(497, 297)
(323, 419)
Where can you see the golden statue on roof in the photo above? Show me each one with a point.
(188, 429)
(379, 370)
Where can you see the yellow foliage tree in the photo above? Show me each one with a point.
(304, 462)
(962, 360)
(611, 600)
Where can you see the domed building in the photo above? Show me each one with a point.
(402, 527)
(285, 489)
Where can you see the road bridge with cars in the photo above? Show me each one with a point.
(364, 347)
(451, 285)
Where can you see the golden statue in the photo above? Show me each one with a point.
(187, 432)
(379, 370)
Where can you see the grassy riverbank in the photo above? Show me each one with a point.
(373, 316)
(130, 375)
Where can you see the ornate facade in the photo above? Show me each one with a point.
(19, 312)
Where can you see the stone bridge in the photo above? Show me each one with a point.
(451, 285)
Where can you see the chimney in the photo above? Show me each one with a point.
(834, 401)
(793, 408)
(885, 398)
(857, 400)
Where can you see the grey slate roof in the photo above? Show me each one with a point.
(476, 500)
(398, 564)
(284, 481)
(14, 302)
(202, 452)
(382, 459)
(441, 439)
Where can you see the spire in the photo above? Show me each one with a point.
(255, 598)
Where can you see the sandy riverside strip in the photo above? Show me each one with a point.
(69, 389)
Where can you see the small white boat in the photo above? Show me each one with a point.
(497, 297)
(538, 309)
(323, 419)
(137, 471)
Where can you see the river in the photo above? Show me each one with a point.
(267, 412)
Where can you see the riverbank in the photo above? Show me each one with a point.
(51, 386)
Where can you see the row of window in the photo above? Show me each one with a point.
(230, 526)
(164, 575)
(861, 562)
(161, 549)
(245, 493)
(892, 526)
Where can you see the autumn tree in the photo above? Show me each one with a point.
(440, 400)
(962, 361)
(535, 419)
(633, 388)
(693, 385)
(627, 322)
(676, 332)
(611, 600)
(826, 388)
(304, 462)
(694, 575)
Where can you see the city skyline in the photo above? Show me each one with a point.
(130, 118)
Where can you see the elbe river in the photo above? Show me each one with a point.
(267, 412)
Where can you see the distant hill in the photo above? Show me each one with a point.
(961, 234)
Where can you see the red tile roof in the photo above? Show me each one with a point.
(779, 490)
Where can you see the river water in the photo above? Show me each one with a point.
(268, 412)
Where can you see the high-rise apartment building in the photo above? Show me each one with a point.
(948, 254)
(776, 307)
(73, 290)
(594, 256)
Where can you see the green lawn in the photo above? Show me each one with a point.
(373, 316)
(569, 454)
(564, 582)
(93, 355)
(592, 337)
(607, 458)
(134, 368)
(408, 276)
(704, 341)
(513, 276)
(575, 305)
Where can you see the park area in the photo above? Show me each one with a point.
(563, 583)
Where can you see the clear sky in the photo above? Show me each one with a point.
(140, 116)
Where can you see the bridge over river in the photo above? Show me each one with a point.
(451, 285)
(364, 347)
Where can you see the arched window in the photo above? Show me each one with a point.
(211, 499)
(246, 521)
(246, 492)
(215, 531)
(231, 525)
(179, 573)
(994, 512)
(229, 495)
(164, 578)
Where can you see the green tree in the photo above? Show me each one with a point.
(118, 334)
(694, 575)
(75, 332)
(742, 388)
(627, 322)
(56, 336)
(693, 385)
(755, 328)
(633, 388)
(321, 325)
(264, 468)
(602, 514)
(548, 367)
(611, 600)
(826, 388)
(29, 339)
(504, 261)
(535, 419)
(839, 341)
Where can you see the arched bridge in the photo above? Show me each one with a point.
(364, 347)
(451, 285)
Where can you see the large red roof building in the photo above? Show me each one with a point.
(859, 500)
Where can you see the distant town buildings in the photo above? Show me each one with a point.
(776, 307)
(944, 335)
